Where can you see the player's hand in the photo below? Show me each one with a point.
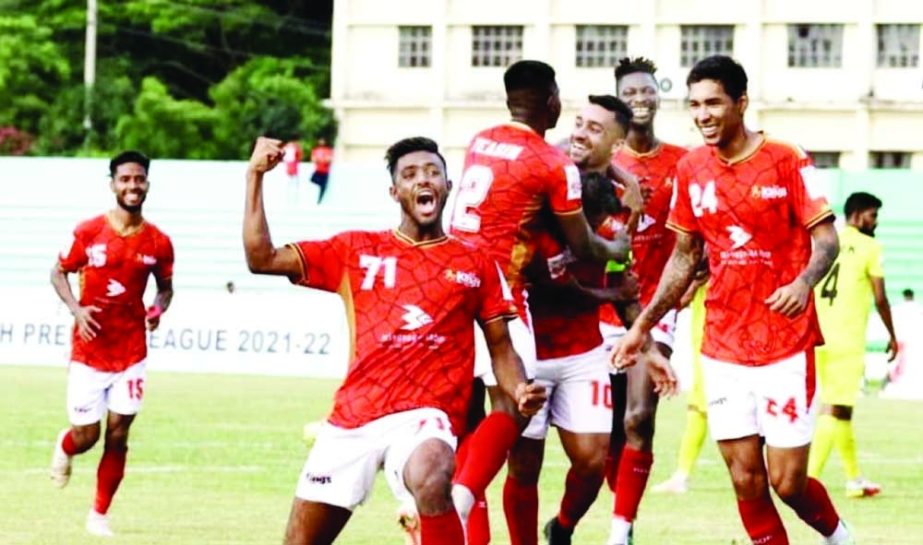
(619, 247)
(267, 153)
(790, 299)
(152, 318)
(626, 290)
(661, 372)
(87, 327)
(530, 398)
(892, 349)
(626, 351)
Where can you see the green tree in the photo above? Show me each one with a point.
(267, 96)
(32, 69)
(163, 126)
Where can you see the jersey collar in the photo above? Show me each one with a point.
(401, 237)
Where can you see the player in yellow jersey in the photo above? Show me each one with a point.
(696, 421)
(843, 310)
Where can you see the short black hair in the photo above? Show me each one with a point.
(129, 156)
(628, 65)
(529, 76)
(617, 106)
(410, 145)
(860, 202)
(722, 69)
(907, 293)
(598, 194)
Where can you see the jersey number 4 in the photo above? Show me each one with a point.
(472, 191)
(372, 265)
(828, 288)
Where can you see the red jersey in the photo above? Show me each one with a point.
(411, 310)
(653, 242)
(755, 216)
(565, 323)
(322, 156)
(510, 175)
(114, 269)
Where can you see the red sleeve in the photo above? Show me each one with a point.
(565, 189)
(164, 268)
(323, 263)
(74, 257)
(496, 299)
(806, 193)
(681, 216)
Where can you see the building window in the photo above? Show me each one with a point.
(898, 46)
(890, 159)
(700, 41)
(825, 159)
(815, 46)
(600, 45)
(495, 45)
(415, 46)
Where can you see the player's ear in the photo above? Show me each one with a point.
(742, 104)
(393, 192)
(448, 186)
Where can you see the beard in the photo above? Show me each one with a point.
(131, 208)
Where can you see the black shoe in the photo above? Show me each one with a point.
(631, 535)
(557, 534)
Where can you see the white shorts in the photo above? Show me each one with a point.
(776, 401)
(90, 392)
(341, 467)
(523, 342)
(579, 395)
(664, 332)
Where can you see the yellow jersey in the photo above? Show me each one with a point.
(844, 296)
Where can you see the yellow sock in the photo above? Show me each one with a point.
(693, 438)
(845, 441)
(824, 432)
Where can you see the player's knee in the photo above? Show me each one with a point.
(85, 436)
(525, 465)
(788, 486)
(749, 482)
(428, 476)
(639, 423)
(590, 464)
(117, 438)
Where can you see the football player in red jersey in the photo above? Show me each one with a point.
(412, 296)
(511, 174)
(114, 254)
(654, 163)
(770, 239)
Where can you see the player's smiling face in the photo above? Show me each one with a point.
(595, 132)
(421, 187)
(718, 116)
(130, 185)
(639, 90)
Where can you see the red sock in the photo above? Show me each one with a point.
(762, 521)
(489, 446)
(520, 505)
(580, 492)
(479, 523)
(445, 529)
(67, 444)
(108, 476)
(815, 508)
(634, 469)
(461, 456)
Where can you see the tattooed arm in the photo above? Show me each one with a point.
(792, 298)
(676, 278)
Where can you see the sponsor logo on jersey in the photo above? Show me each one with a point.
(738, 236)
(314, 478)
(645, 223)
(115, 288)
(768, 192)
(415, 318)
(147, 259)
(467, 279)
(501, 150)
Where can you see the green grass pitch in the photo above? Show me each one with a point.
(213, 460)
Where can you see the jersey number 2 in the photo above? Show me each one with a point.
(472, 191)
(372, 264)
(828, 288)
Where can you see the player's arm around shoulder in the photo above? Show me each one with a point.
(262, 256)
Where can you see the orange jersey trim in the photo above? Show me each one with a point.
(678, 229)
(819, 218)
(301, 259)
(419, 243)
(571, 213)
